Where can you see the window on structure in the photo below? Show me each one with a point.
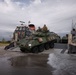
(20, 28)
(23, 28)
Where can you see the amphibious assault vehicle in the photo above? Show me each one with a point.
(20, 33)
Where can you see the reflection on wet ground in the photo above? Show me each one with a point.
(39, 64)
(32, 64)
(29, 61)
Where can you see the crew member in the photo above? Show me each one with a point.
(45, 28)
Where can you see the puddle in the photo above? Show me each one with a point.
(26, 65)
(29, 61)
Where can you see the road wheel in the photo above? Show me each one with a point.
(51, 44)
(47, 46)
(41, 48)
(35, 50)
(22, 50)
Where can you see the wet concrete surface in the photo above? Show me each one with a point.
(25, 65)
(60, 46)
(64, 64)
(49, 62)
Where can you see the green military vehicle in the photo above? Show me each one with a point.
(38, 42)
(64, 39)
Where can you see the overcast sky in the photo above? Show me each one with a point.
(56, 14)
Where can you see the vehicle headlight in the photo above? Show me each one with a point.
(29, 45)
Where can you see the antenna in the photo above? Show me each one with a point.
(72, 24)
(29, 22)
(75, 26)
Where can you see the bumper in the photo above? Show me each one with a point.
(25, 48)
